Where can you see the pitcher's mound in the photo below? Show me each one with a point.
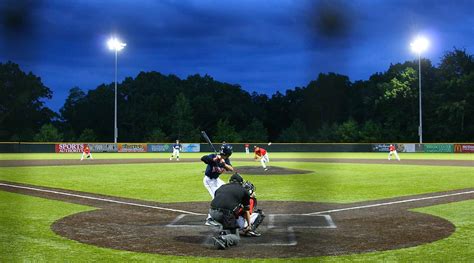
(272, 170)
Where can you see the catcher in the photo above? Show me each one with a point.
(256, 215)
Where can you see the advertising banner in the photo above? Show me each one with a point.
(132, 147)
(407, 147)
(103, 147)
(380, 147)
(401, 147)
(167, 147)
(191, 147)
(438, 148)
(464, 148)
(159, 147)
(69, 148)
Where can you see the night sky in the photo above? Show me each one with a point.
(264, 46)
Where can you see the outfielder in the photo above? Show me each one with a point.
(263, 155)
(86, 152)
(176, 148)
(393, 150)
(247, 151)
(216, 165)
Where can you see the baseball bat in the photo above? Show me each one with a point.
(204, 135)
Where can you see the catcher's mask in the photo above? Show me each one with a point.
(249, 187)
(236, 178)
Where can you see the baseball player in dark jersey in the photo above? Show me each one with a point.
(216, 165)
(176, 148)
(225, 206)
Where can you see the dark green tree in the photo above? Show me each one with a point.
(182, 118)
(226, 132)
(48, 133)
(255, 132)
(295, 133)
(454, 98)
(87, 135)
(22, 110)
(156, 135)
(397, 106)
(348, 131)
(327, 133)
(371, 132)
(73, 113)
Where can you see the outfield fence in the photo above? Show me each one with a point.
(29, 147)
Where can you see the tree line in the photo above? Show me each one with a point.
(153, 107)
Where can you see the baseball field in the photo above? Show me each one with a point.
(329, 207)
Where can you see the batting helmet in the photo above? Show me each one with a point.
(226, 150)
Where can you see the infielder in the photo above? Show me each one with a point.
(216, 165)
(176, 148)
(86, 152)
(393, 150)
(263, 155)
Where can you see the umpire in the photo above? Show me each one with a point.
(228, 199)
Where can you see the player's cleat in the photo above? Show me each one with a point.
(266, 169)
(177, 159)
(211, 222)
(253, 233)
(219, 243)
(171, 158)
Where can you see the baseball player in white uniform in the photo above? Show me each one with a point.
(176, 148)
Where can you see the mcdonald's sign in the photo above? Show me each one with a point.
(464, 148)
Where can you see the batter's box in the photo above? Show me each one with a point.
(300, 221)
(188, 221)
(279, 230)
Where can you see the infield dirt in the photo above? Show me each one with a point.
(291, 229)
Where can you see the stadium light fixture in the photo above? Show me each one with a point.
(115, 45)
(420, 44)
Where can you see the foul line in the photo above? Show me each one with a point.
(389, 203)
(100, 199)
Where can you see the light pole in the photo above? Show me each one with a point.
(419, 45)
(115, 45)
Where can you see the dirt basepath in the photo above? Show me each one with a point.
(17, 163)
(290, 229)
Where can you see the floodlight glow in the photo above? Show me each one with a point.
(115, 44)
(419, 45)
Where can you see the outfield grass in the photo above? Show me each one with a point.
(327, 182)
(295, 155)
(25, 221)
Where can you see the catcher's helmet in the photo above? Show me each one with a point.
(249, 187)
(226, 150)
(236, 178)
